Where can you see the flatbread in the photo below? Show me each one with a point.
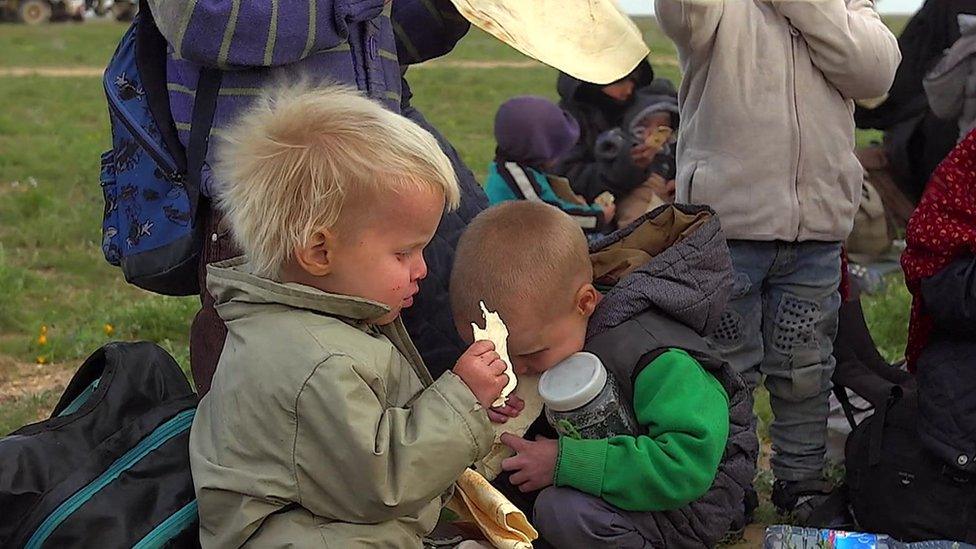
(528, 390)
(496, 332)
(477, 501)
(589, 39)
(605, 199)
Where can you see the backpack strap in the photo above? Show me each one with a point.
(845, 404)
(877, 427)
(204, 104)
(151, 61)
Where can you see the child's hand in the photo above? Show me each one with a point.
(482, 370)
(663, 189)
(534, 463)
(511, 409)
(609, 211)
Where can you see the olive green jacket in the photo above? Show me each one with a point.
(322, 429)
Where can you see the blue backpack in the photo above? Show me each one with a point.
(151, 183)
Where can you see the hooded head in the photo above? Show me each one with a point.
(533, 131)
(659, 96)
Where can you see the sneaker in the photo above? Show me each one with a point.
(800, 498)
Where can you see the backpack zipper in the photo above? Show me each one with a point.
(80, 400)
(169, 528)
(168, 430)
(142, 137)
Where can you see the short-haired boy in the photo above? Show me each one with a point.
(323, 427)
(681, 482)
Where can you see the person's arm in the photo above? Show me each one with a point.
(618, 171)
(945, 85)
(686, 414)
(690, 25)
(583, 171)
(254, 33)
(848, 42)
(950, 296)
(356, 459)
(426, 29)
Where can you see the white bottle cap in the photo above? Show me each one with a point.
(573, 383)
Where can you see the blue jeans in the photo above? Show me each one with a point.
(781, 323)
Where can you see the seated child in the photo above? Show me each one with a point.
(655, 106)
(323, 425)
(682, 481)
(532, 134)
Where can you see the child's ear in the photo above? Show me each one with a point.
(587, 298)
(316, 257)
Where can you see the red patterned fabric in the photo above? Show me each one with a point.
(942, 229)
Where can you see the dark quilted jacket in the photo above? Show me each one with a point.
(946, 371)
(429, 321)
(670, 301)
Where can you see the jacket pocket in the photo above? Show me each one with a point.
(688, 179)
(699, 191)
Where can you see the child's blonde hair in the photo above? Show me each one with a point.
(300, 156)
(519, 257)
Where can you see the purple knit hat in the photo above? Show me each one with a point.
(533, 131)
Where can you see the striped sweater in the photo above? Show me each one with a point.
(360, 43)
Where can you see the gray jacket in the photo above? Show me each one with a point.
(767, 110)
(669, 301)
(951, 85)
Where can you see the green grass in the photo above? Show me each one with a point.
(88, 44)
(52, 272)
(27, 409)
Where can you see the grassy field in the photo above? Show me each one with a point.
(52, 273)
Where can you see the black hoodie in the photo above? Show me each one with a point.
(596, 113)
(613, 147)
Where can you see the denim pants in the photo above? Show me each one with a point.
(781, 322)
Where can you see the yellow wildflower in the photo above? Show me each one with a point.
(42, 359)
(109, 329)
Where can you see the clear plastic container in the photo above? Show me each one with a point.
(583, 401)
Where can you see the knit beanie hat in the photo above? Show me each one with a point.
(533, 131)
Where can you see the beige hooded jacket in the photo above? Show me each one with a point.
(322, 430)
(767, 126)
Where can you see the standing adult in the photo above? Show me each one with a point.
(364, 44)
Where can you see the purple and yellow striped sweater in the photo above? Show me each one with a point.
(360, 43)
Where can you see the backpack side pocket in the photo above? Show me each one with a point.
(111, 239)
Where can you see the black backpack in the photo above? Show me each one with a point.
(110, 468)
(897, 487)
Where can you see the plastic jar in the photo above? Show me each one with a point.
(582, 400)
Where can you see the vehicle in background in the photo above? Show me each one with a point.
(36, 12)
